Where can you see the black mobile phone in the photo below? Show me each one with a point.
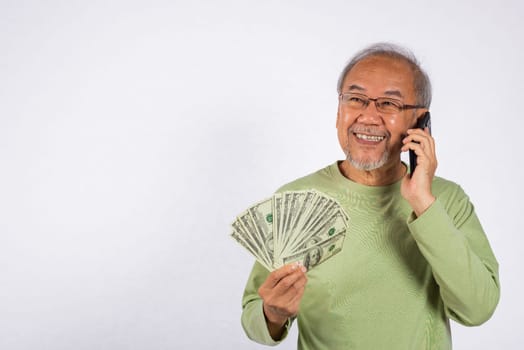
(422, 122)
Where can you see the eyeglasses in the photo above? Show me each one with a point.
(383, 104)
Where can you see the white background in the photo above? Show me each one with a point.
(132, 133)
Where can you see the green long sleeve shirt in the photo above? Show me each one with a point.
(398, 280)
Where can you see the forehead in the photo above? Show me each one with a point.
(377, 75)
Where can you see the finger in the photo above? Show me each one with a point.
(428, 141)
(288, 284)
(417, 147)
(297, 287)
(419, 131)
(291, 281)
(432, 144)
(416, 135)
(275, 276)
(425, 141)
(301, 282)
(425, 164)
(422, 136)
(421, 152)
(290, 300)
(285, 302)
(297, 297)
(294, 301)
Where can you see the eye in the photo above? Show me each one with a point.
(390, 105)
(355, 100)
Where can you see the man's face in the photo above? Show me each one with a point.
(370, 138)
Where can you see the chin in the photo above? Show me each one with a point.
(367, 164)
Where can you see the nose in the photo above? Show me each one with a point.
(370, 114)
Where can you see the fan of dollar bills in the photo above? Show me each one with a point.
(306, 226)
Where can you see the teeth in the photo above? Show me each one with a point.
(370, 137)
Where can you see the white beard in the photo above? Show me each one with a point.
(367, 165)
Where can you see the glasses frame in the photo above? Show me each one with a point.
(367, 100)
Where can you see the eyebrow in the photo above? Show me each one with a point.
(356, 87)
(387, 93)
(393, 93)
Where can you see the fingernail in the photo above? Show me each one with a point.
(302, 267)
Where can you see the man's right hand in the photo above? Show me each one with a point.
(281, 292)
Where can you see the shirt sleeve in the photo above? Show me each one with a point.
(253, 319)
(452, 240)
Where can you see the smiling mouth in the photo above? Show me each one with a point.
(372, 138)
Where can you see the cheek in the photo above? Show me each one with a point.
(397, 123)
(342, 135)
(397, 126)
(344, 120)
(343, 124)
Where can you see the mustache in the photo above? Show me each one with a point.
(367, 129)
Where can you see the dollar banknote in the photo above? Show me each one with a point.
(306, 226)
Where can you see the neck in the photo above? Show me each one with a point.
(383, 176)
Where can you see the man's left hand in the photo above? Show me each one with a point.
(416, 189)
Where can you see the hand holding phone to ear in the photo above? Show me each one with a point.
(416, 186)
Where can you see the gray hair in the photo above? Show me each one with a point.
(421, 83)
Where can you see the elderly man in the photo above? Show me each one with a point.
(415, 254)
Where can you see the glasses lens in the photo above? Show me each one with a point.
(355, 100)
(387, 105)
